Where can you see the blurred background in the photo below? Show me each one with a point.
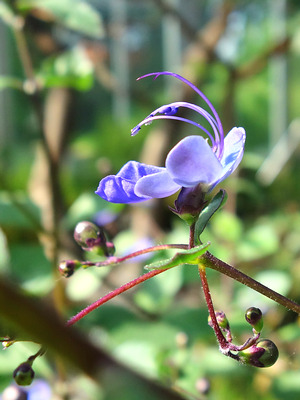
(68, 100)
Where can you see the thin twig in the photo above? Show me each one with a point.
(213, 262)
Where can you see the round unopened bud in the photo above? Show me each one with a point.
(254, 317)
(68, 267)
(271, 353)
(85, 232)
(93, 239)
(24, 374)
(263, 354)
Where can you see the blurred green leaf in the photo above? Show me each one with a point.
(157, 294)
(260, 241)
(86, 206)
(287, 385)
(218, 201)
(83, 284)
(18, 212)
(189, 256)
(71, 69)
(10, 82)
(28, 262)
(6, 13)
(74, 14)
(227, 227)
(276, 280)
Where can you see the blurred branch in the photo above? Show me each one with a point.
(32, 89)
(41, 324)
(254, 66)
(166, 8)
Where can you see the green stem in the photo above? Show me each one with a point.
(213, 262)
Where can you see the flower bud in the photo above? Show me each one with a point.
(68, 267)
(221, 319)
(189, 204)
(86, 232)
(91, 238)
(24, 374)
(263, 354)
(254, 318)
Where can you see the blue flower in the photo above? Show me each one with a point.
(193, 161)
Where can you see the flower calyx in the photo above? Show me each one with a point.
(189, 204)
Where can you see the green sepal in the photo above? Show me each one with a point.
(189, 256)
(217, 202)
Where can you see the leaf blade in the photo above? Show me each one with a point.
(189, 256)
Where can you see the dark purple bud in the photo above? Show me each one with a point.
(254, 317)
(263, 354)
(24, 374)
(92, 238)
(189, 204)
(68, 267)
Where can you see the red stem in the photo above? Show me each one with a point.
(117, 260)
(113, 294)
(221, 339)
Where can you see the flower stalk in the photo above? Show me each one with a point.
(113, 294)
(213, 262)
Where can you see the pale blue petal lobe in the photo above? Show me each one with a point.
(157, 185)
(234, 143)
(192, 161)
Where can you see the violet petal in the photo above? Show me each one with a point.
(120, 188)
(192, 161)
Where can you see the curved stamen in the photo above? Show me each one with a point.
(201, 111)
(148, 121)
(157, 74)
(218, 121)
(170, 109)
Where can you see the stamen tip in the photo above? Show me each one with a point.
(135, 130)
